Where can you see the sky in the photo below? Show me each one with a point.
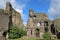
(50, 7)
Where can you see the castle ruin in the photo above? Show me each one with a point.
(9, 17)
(45, 25)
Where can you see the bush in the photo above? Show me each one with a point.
(46, 36)
(16, 32)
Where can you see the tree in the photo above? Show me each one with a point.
(16, 32)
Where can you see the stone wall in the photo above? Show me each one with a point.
(36, 18)
(8, 17)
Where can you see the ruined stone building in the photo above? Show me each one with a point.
(45, 25)
(34, 19)
(9, 17)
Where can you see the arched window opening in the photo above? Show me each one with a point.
(38, 24)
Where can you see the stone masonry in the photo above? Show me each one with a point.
(8, 17)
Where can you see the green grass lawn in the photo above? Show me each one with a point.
(24, 38)
(15, 39)
(27, 39)
(32, 38)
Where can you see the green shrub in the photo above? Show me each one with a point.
(16, 32)
(46, 36)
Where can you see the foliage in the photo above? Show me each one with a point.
(16, 32)
(46, 36)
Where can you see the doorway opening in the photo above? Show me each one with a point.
(53, 29)
(37, 32)
(46, 26)
(4, 33)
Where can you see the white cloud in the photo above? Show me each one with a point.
(20, 11)
(2, 4)
(54, 10)
(25, 23)
(16, 6)
(51, 10)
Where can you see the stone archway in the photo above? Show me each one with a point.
(53, 29)
(37, 29)
(40, 30)
(37, 32)
(5, 35)
(46, 26)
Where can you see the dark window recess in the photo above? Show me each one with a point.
(4, 34)
(31, 32)
(34, 17)
(45, 23)
(52, 29)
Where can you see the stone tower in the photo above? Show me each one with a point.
(30, 27)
